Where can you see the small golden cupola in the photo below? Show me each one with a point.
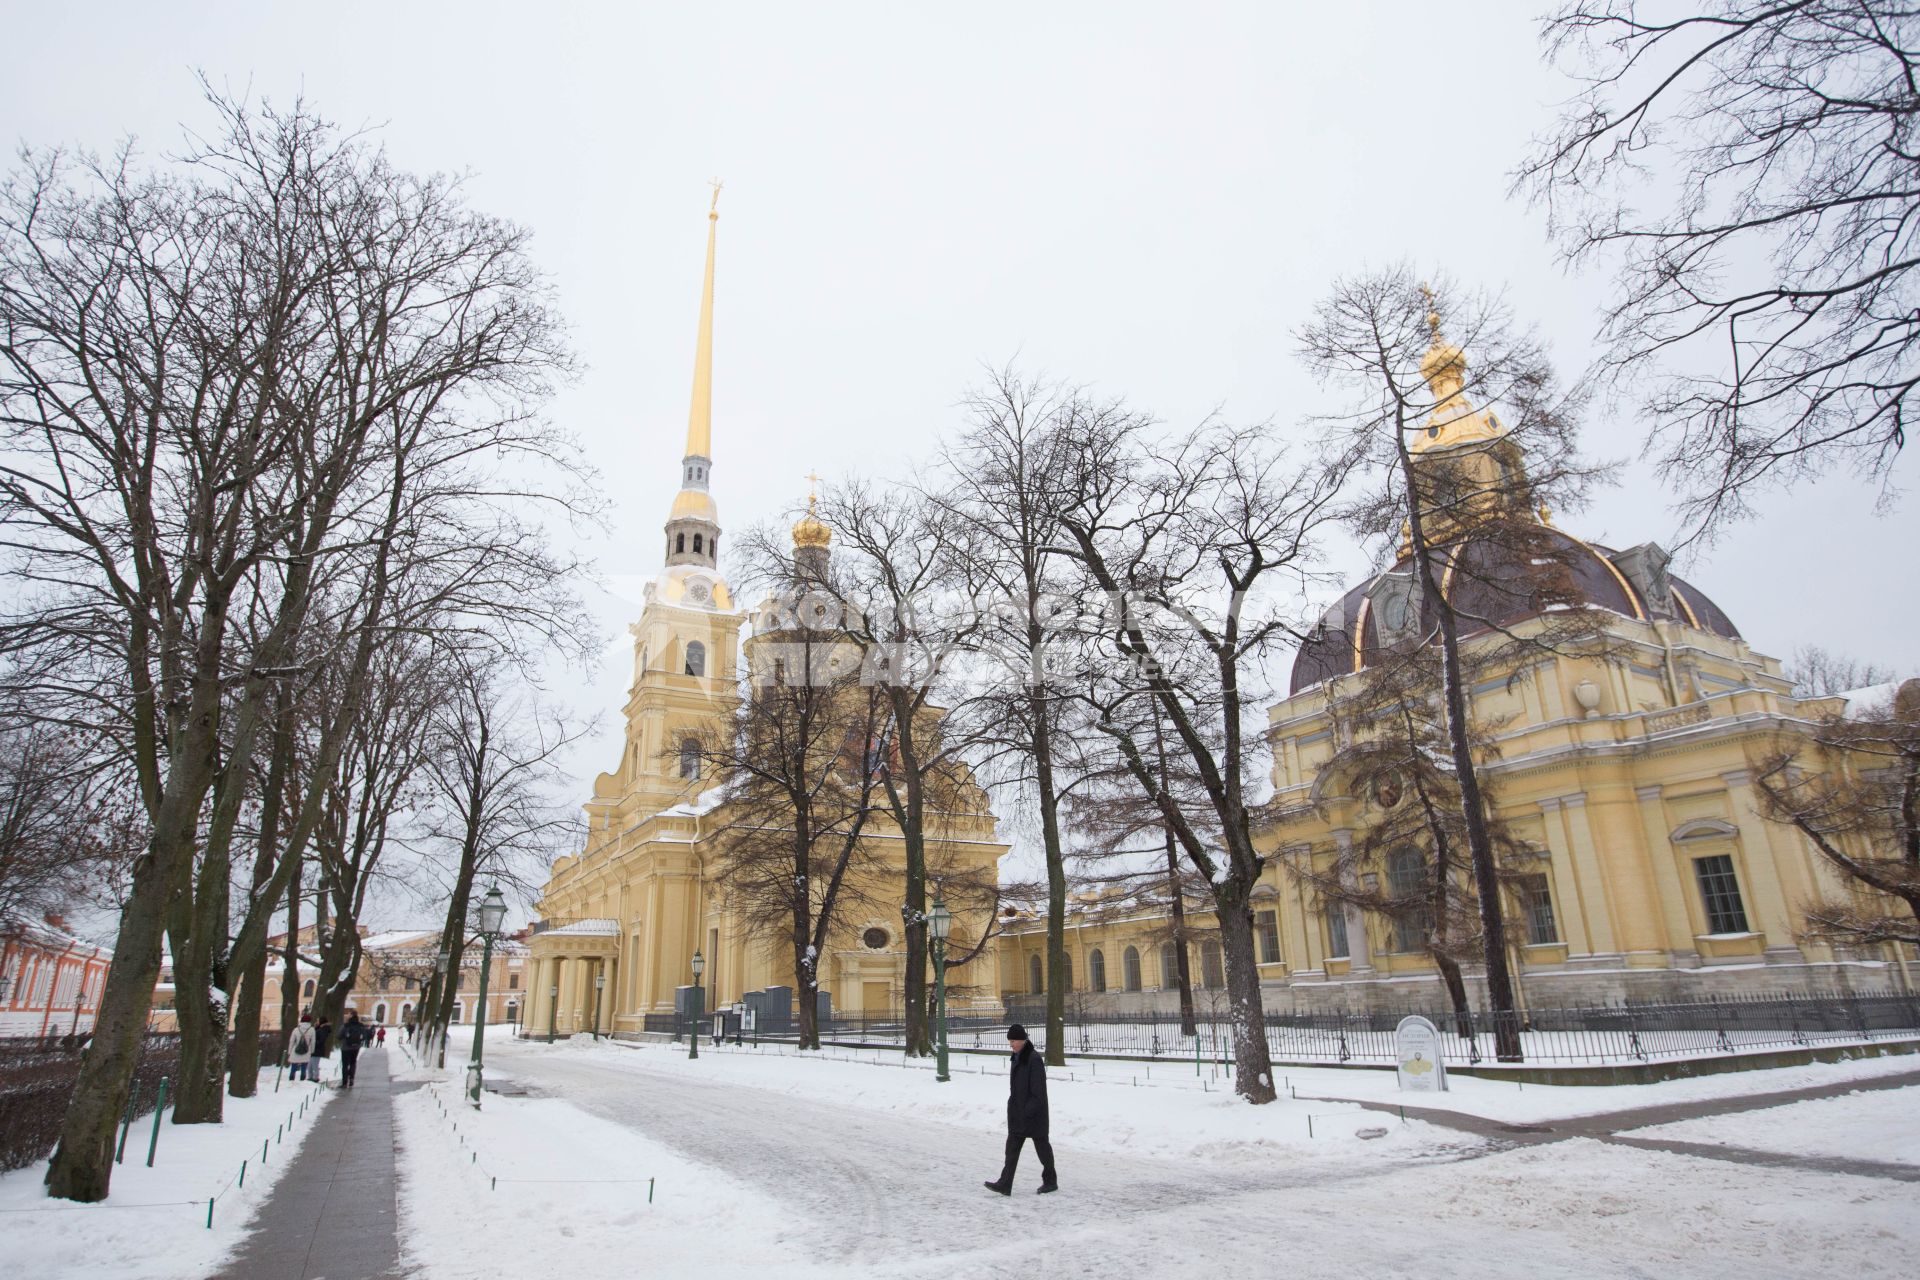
(811, 540)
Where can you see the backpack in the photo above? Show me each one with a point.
(303, 1039)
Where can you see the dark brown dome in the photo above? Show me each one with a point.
(1500, 581)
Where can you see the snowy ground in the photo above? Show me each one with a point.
(1883, 1125)
(154, 1221)
(770, 1164)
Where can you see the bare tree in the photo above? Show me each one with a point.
(1821, 673)
(801, 767)
(1199, 543)
(273, 366)
(1749, 168)
(1457, 491)
(898, 560)
(491, 811)
(1853, 791)
(66, 826)
(999, 475)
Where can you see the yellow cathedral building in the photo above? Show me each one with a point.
(621, 921)
(1624, 763)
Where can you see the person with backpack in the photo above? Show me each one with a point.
(353, 1038)
(300, 1050)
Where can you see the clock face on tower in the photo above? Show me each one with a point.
(698, 591)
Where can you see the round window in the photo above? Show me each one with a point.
(875, 938)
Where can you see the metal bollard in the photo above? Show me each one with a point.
(159, 1109)
(126, 1124)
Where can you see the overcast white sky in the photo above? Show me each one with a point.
(1145, 198)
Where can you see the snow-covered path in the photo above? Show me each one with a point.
(871, 1189)
(862, 1189)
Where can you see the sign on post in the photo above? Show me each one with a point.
(1416, 1052)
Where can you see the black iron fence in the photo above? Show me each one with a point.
(1597, 1035)
(37, 1076)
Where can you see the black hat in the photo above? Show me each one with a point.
(1016, 1032)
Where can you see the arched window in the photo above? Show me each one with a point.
(696, 658)
(1130, 968)
(679, 542)
(459, 1011)
(698, 548)
(1097, 970)
(690, 758)
(713, 546)
(1169, 968)
(406, 1011)
(309, 986)
(1212, 974)
(1035, 982)
(1407, 880)
(379, 1013)
(1066, 972)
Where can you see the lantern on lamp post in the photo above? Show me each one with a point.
(699, 1006)
(493, 913)
(939, 926)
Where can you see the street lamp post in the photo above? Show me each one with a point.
(599, 984)
(939, 925)
(699, 1006)
(553, 1013)
(493, 911)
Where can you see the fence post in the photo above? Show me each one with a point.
(159, 1109)
(120, 1156)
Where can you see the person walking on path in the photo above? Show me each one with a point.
(380, 1036)
(300, 1049)
(1026, 1114)
(353, 1038)
(322, 1047)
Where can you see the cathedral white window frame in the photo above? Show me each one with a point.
(696, 663)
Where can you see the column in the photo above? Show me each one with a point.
(1359, 948)
(1670, 891)
(1765, 882)
(1567, 881)
(610, 965)
(1596, 900)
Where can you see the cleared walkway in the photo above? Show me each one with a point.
(332, 1214)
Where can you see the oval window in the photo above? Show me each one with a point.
(875, 938)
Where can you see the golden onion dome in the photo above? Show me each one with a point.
(809, 531)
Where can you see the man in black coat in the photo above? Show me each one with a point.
(1026, 1113)
(353, 1038)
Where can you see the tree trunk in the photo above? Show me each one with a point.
(1056, 1053)
(1253, 1063)
(82, 1164)
(290, 971)
(1178, 912)
(1486, 880)
(1456, 989)
(919, 1038)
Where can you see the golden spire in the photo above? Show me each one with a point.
(700, 416)
(1454, 420)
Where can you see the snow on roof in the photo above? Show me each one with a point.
(397, 937)
(1868, 699)
(590, 928)
(698, 807)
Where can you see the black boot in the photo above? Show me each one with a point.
(1005, 1189)
(1048, 1182)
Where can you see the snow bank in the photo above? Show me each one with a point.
(1882, 1125)
(153, 1224)
(537, 1187)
